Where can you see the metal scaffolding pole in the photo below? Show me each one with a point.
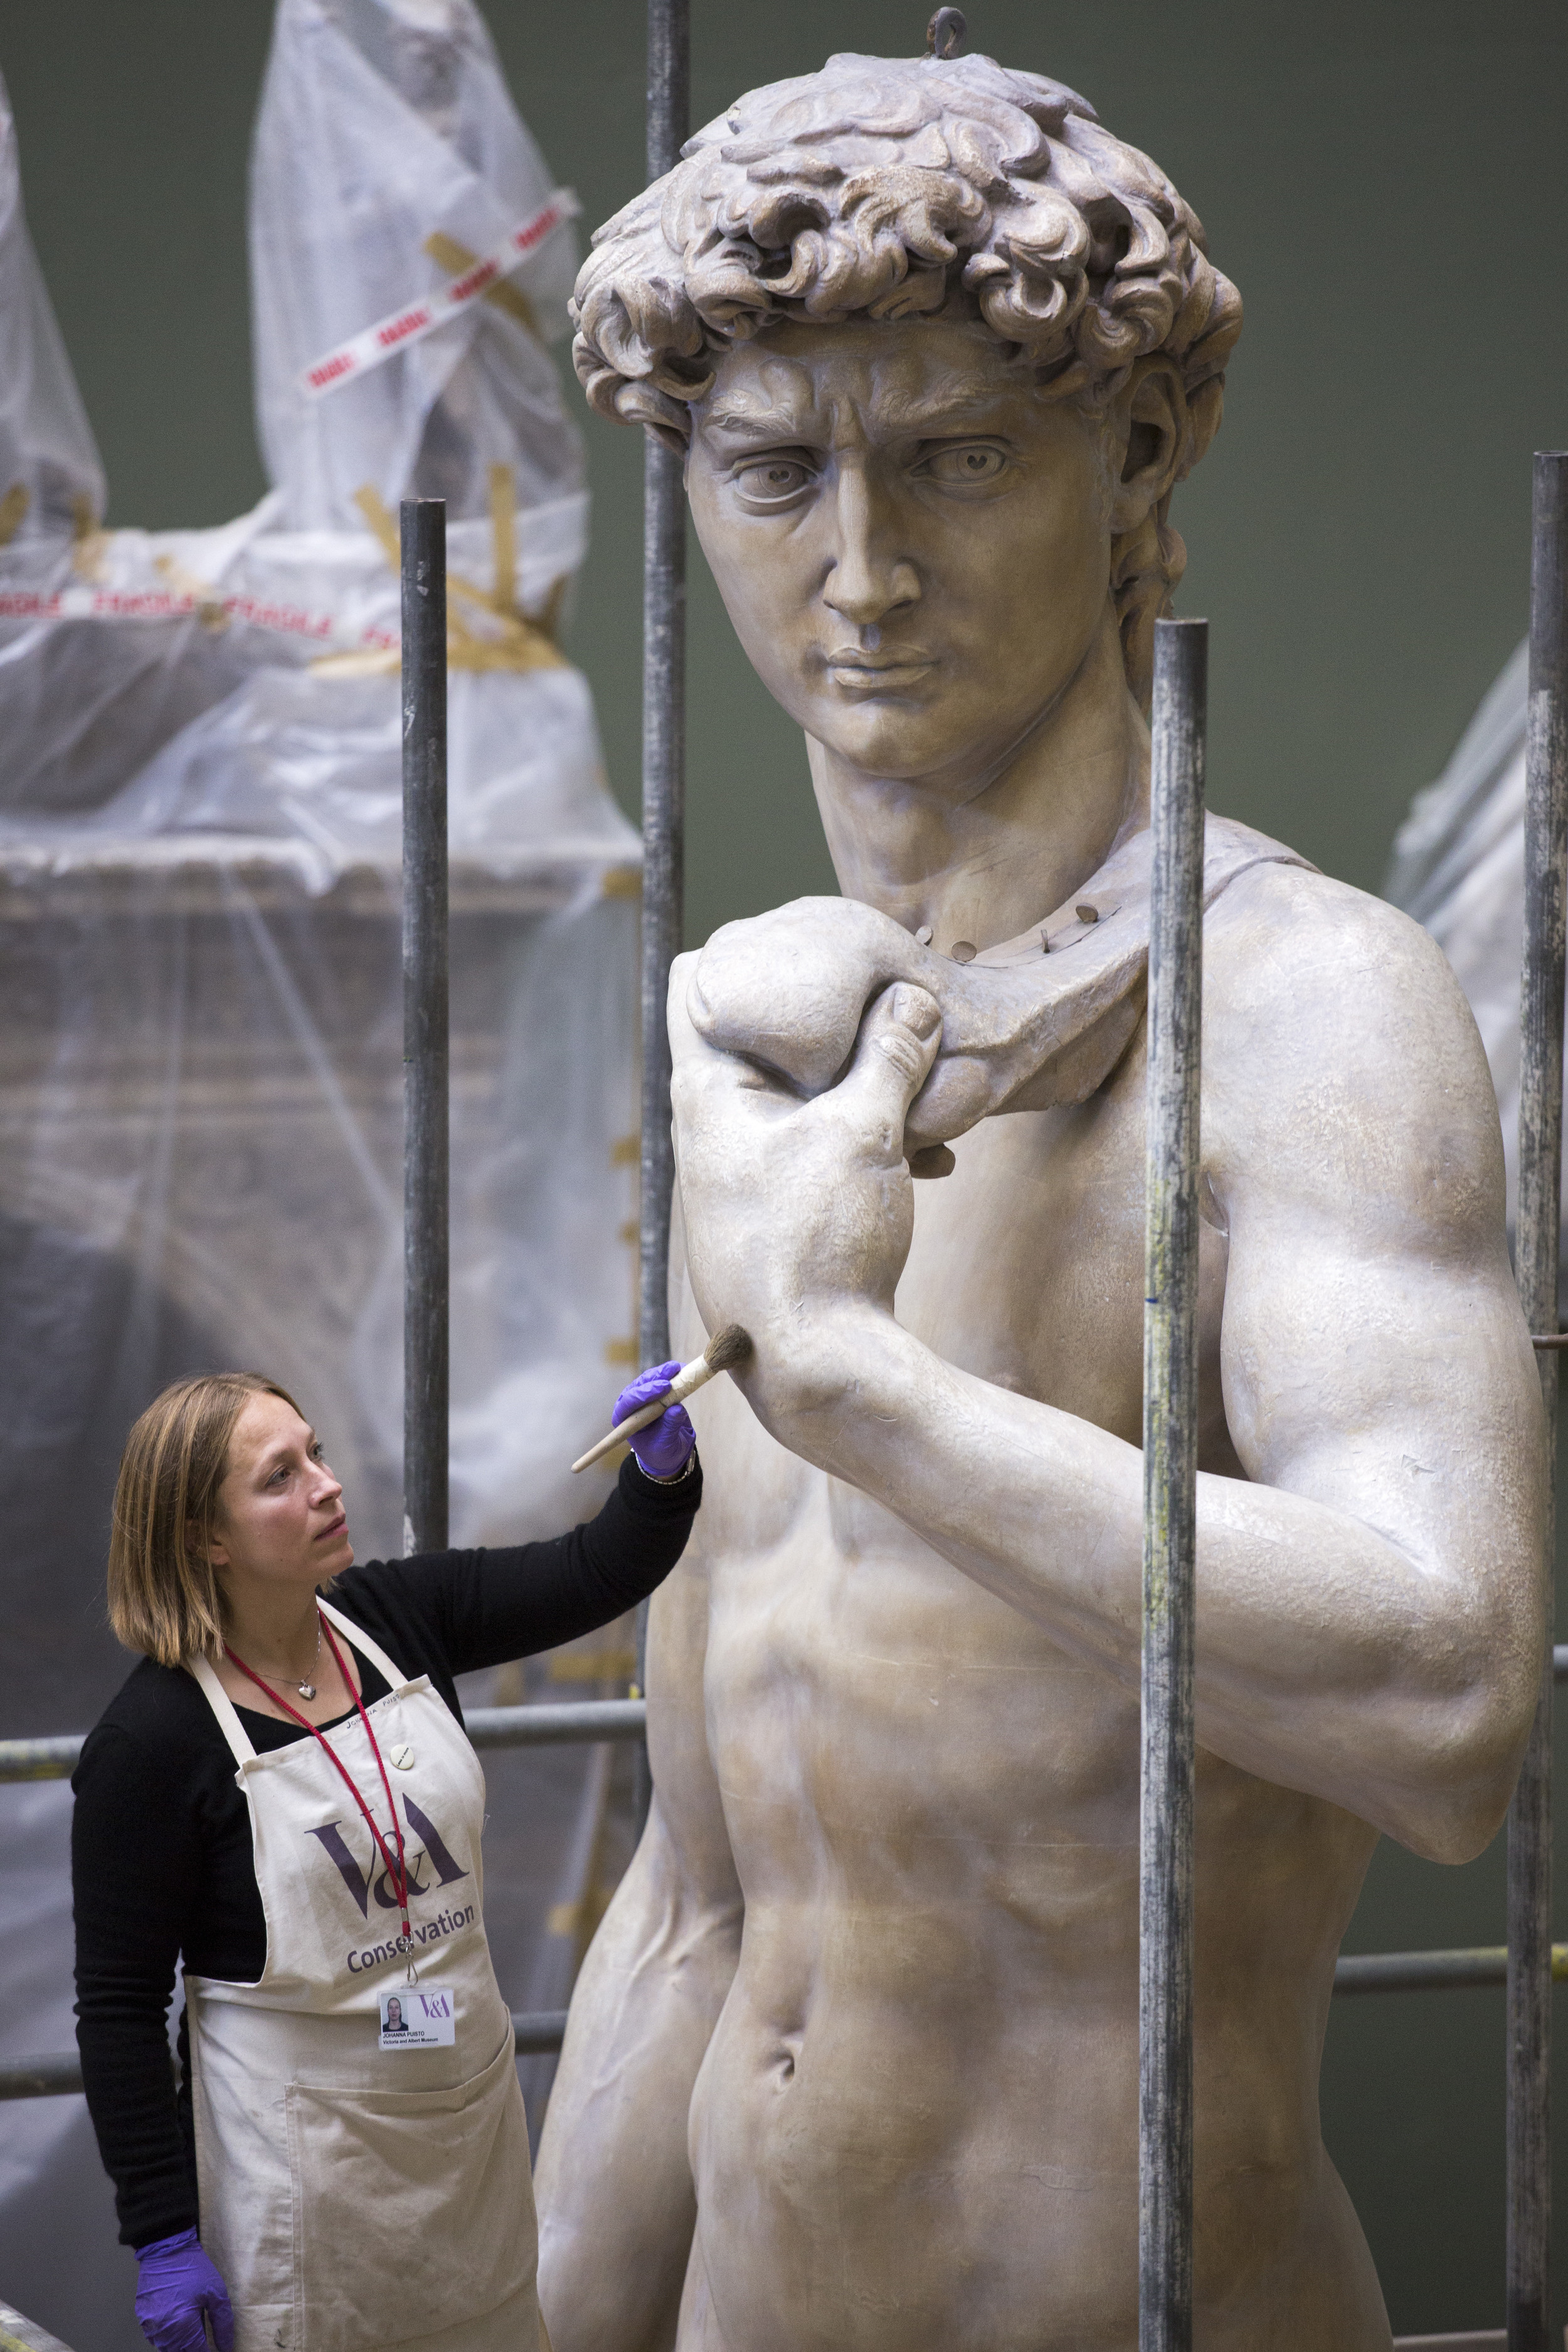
(1540, 1195)
(1170, 1486)
(663, 768)
(663, 733)
(427, 1151)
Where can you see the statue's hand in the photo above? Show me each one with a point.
(788, 989)
(1024, 1026)
(795, 1209)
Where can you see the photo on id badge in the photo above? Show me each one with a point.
(418, 2017)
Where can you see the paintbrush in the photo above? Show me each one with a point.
(726, 1349)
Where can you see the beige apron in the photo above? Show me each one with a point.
(351, 2197)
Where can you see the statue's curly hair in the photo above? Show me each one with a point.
(897, 188)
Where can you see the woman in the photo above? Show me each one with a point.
(283, 1796)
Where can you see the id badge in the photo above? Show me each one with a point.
(419, 2016)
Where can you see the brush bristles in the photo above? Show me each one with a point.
(727, 1349)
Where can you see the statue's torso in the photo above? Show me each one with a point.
(917, 2122)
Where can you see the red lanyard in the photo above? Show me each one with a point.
(396, 1872)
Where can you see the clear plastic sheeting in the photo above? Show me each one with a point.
(51, 479)
(388, 158)
(1458, 868)
(201, 1064)
(58, 2259)
(200, 1108)
(109, 643)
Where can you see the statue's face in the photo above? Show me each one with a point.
(913, 546)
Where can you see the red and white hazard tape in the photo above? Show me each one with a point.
(374, 344)
(84, 604)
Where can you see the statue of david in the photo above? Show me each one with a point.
(853, 2063)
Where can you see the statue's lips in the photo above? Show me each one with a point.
(856, 673)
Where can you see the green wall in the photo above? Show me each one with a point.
(1386, 181)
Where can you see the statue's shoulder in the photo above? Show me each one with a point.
(1280, 915)
(1317, 986)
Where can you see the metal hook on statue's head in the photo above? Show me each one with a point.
(944, 34)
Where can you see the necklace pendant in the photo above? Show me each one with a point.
(306, 1690)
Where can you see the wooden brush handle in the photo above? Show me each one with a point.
(686, 1381)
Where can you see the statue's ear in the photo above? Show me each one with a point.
(1154, 440)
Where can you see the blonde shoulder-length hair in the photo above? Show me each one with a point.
(164, 1594)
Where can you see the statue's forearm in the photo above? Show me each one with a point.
(1394, 1677)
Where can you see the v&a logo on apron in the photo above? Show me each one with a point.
(430, 1870)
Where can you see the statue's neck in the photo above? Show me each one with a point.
(984, 864)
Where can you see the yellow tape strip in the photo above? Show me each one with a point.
(503, 530)
(377, 661)
(593, 1666)
(13, 512)
(503, 295)
(373, 506)
(9, 2343)
(508, 641)
(211, 610)
(89, 540)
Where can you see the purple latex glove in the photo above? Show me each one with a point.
(177, 2285)
(667, 1445)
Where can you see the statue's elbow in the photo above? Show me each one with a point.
(1473, 1760)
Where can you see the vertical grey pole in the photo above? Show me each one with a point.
(1170, 1482)
(663, 733)
(663, 771)
(425, 1144)
(1540, 1195)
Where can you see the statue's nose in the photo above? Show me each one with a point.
(869, 577)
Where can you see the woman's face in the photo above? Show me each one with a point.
(280, 1519)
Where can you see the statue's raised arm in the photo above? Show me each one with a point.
(855, 2060)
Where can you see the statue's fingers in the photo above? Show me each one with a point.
(959, 1093)
(685, 1038)
(789, 988)
(897, 1044)
(709, 1084)
(930, 1160)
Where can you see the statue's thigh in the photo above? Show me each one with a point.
(697, 2327)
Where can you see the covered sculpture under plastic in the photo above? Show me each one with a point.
(405, 98)
(52, 478)
(200, 1072)
(1458, 868)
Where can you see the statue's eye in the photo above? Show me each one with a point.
(963, 466)
(772, 480)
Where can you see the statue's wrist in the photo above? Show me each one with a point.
(815, 1365)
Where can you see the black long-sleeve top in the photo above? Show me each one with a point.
(162, 1862)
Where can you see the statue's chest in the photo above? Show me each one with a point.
(1027, 1266)
(1026, 1270)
